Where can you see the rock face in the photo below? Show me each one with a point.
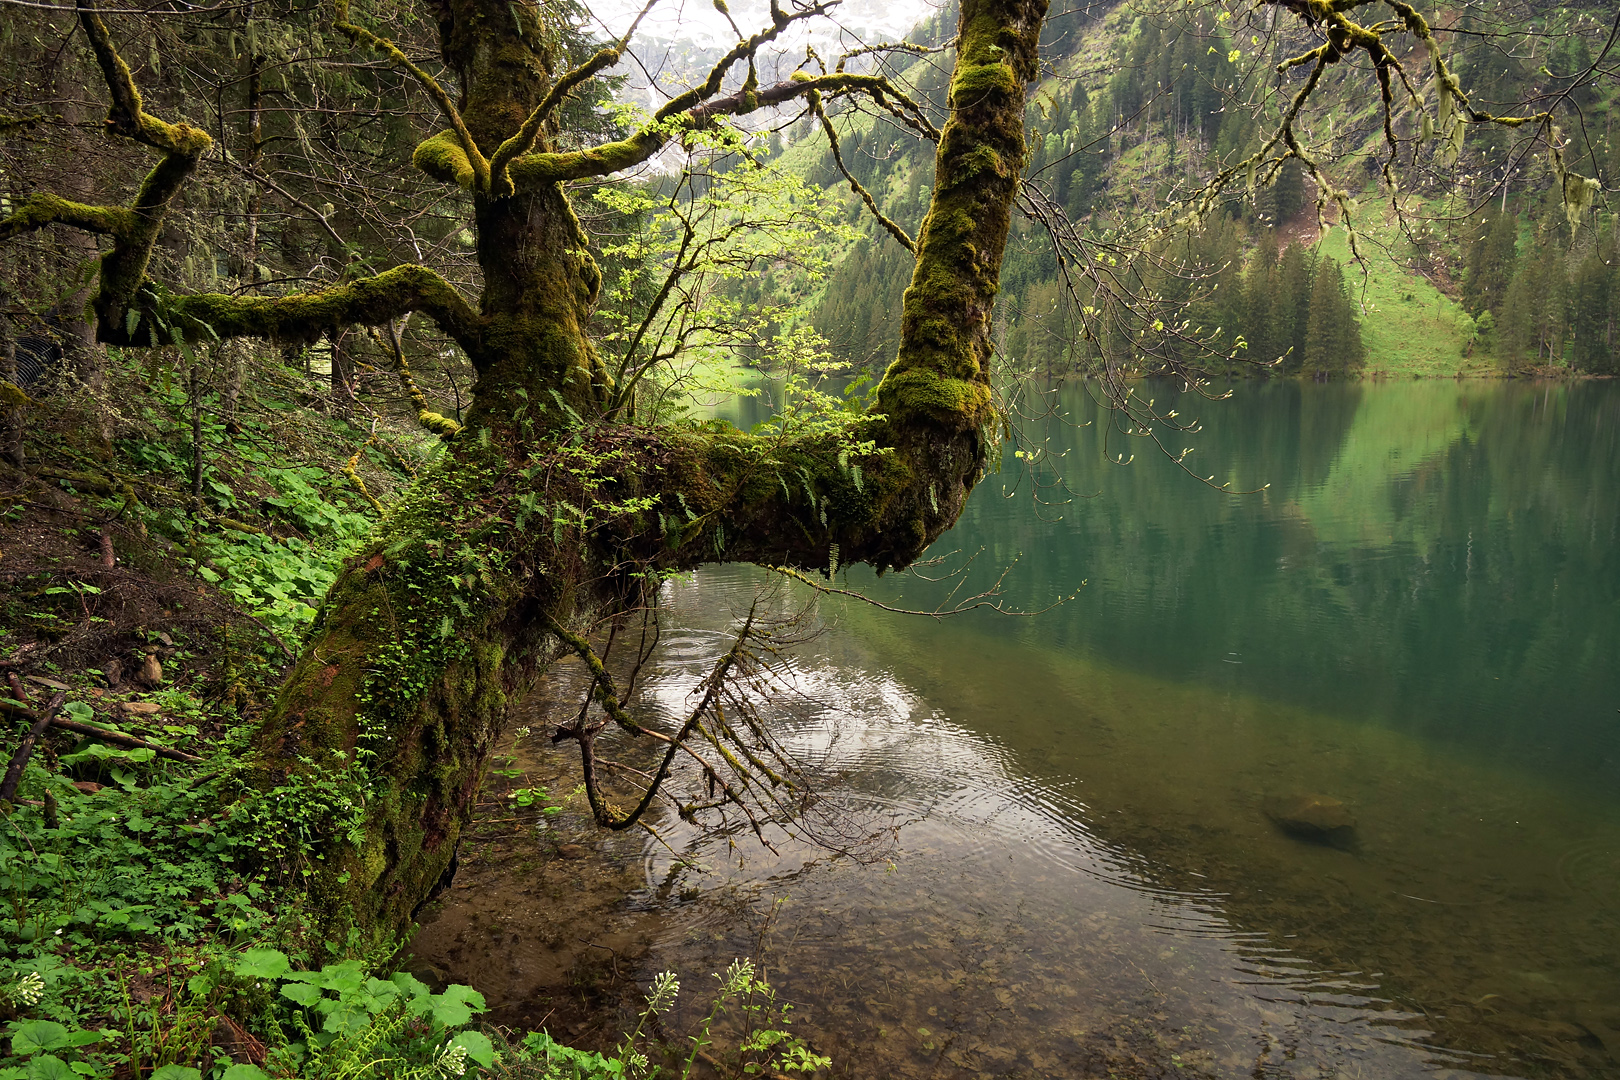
(1318, 819)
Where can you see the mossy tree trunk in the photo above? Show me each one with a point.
(462, 597)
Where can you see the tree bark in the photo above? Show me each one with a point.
(546, 513)
(11, 411)
(81, 353)
(441, 620)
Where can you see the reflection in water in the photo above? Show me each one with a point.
(1417, 618)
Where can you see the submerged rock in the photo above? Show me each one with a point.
(1318, 819)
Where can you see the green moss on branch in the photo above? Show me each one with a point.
(42, 208)
(443, 158)
(369, 301)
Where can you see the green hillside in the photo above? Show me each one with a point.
(1138, 110)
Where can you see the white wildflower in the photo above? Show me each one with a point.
(452, 1060)
(29, 989)
(664, 989)
(737, 978)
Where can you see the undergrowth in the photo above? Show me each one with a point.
(151, 915)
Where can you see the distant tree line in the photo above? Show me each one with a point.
(1161, 113)
(1558, 301)
(1283, 310)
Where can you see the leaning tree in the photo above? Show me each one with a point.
(553, 505)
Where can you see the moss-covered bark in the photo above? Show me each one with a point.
(401, 694)
(409, 673)
(469, 585)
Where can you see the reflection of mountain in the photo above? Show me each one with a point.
(1431, 557)
(1393, 439)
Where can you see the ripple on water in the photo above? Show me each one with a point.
(1591, 866)
(1003, 928)
(1027, 925)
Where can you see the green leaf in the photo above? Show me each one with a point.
(478, 1047)
(303, 993)
(245, 1072)
(49, 1068)
(348, 1016)
(456, 1005)
(262, 964)
(37, 1035)
(409, 983)
(342, 978)
(176, 1072)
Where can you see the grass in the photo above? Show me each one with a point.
(1411, 329)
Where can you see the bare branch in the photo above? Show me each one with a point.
(855, 185)
(469, 148)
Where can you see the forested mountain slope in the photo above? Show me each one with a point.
(1482, 272)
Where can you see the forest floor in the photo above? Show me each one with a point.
(152, 917)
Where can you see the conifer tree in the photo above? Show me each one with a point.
(1515, 328)
(1592, 316)
(1333, 345)
(1292, 305)
(1286, 197)
(1550, 314)
(1490, 262)
(1259, 315)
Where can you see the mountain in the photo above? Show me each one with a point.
(1136, 111)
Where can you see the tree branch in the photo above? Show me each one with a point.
(126, 116)
(533, 170)
(855, 185)
(124, 268)
(370, 301)
(475, 160)
(42, 208)
(522, 142)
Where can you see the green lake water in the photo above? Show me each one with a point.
(1418, 615)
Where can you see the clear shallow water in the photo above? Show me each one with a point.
(1418, 617)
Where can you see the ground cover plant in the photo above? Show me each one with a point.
(153, 914)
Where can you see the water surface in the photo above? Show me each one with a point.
(1417, 615)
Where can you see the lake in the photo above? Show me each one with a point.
(1094, 865)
